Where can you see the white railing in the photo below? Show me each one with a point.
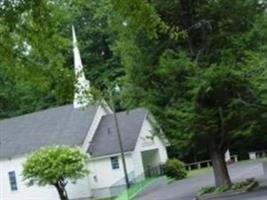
(206, 163)
(257, 154)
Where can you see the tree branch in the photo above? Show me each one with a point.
(251, 104)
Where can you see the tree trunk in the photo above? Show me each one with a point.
(62, 192)
(220, 170)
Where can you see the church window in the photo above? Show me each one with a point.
(115, 162)
(13, 180)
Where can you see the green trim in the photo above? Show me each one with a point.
(136, 189)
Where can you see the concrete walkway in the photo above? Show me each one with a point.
(156, 185)
(186, 189)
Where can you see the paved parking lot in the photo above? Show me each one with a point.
(186, 189)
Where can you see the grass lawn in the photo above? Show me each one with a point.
(252, 161)
(196, 172)
(204, 170)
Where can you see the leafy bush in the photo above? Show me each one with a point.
(56, 166)
(212, 189)
(175, 169)
(206, 190)
(221, 189)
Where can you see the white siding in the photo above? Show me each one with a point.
(79, 190)
(106, 181)
(146, 141)
(105, 175)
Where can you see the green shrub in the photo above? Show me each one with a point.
(221, 189)
(175, 169)
(206, 190)
(212, 189)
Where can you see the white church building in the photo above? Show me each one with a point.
(90, 127)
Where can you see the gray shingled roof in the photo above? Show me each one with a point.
(61, 125)
(105, 141)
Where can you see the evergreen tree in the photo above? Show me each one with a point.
(198, 65)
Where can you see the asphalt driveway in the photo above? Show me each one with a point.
(186, 189)
(260, 194)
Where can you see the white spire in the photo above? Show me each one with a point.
(82, 85)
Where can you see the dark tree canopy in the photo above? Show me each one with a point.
(36, 65)
(202, 75)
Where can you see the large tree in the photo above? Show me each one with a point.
(196, 64)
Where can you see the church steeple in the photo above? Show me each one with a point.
(82, 85)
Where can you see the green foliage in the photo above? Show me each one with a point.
(36, 65)
(34, 73)
(188, 80)
(206, 190)
(175, 169)
(221, 189)
(205, 87)
(52, 164)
